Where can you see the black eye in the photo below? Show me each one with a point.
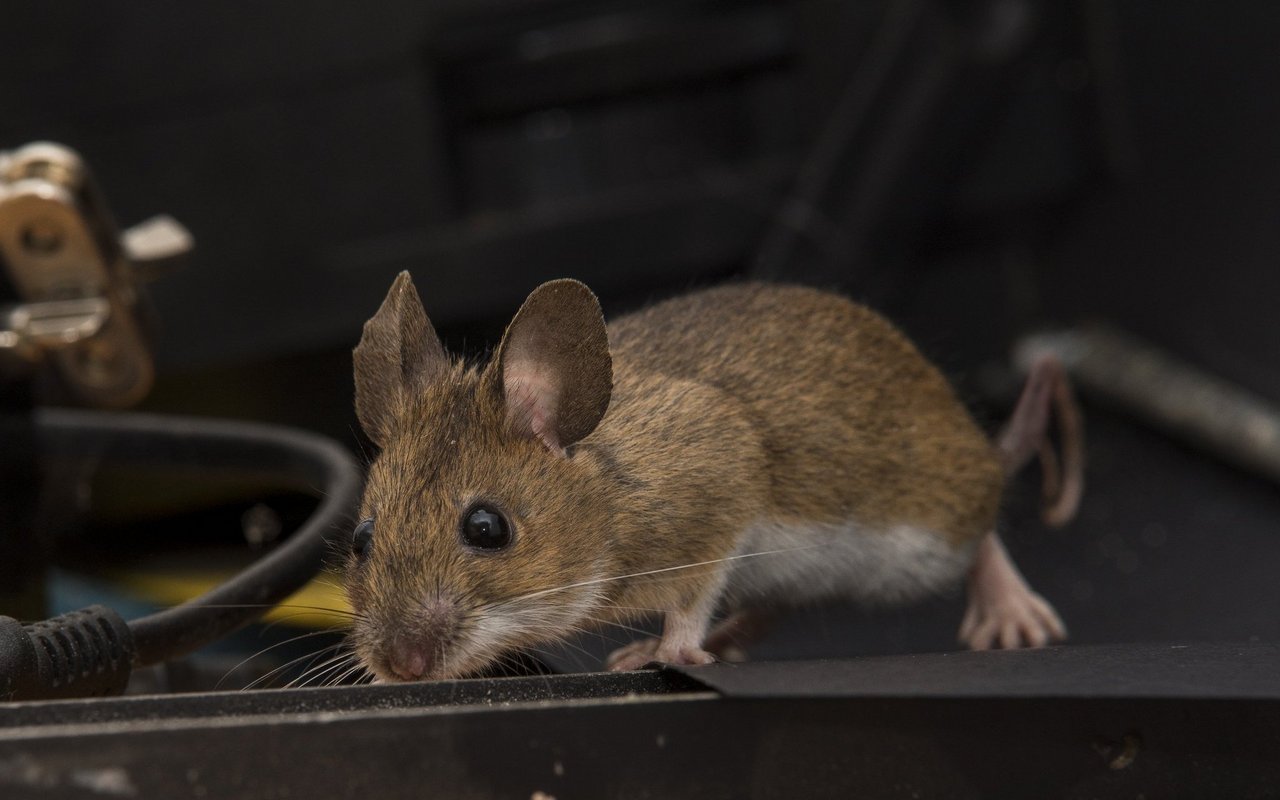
(362, 539)
(485, 529)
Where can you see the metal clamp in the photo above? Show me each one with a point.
(77, 277)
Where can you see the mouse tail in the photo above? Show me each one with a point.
(1047, 394)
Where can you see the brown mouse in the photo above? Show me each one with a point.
(741, 450)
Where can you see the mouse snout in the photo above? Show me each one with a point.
(411, 659)
(416, 651)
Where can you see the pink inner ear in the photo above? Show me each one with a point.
(533, 396)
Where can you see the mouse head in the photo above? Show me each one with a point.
(483, 525)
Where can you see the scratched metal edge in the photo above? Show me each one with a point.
(1210, 671)
(23, 735)
(489, 693)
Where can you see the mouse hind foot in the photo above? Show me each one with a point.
(632, 656)
(1003, 610)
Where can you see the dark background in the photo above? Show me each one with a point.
(975, 170)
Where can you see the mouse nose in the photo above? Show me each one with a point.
(410, 660)
(421, 636)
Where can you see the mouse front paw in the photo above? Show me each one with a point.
(632, 656)
(647, 651)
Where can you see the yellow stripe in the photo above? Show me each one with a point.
(170, 589)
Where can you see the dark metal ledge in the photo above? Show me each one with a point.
(1111, 721)
(1191, 671)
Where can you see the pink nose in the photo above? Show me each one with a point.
(410, 660)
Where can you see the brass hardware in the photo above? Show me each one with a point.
(77, 277)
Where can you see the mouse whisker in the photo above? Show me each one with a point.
(311, 664)
(286, 665)
(637, 609)
(608, 623)
(337, 612)
(545, 625)
(318, 669)
(268, 649)
(363, 675)
(355, 676)
(711, 562)
(565, 642)
(326, 582)
(325, 675)
(335, 674)
(331, 664)
(544, 654)
(284, 619)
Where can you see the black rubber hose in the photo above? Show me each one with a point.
(289, 457)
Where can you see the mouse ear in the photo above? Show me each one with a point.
(398, 351)
(554, 361)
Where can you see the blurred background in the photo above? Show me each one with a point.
(978, 171)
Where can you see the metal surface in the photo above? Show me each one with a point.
(30, 328)
(460, 694)
(1198, 671)
(656, 735)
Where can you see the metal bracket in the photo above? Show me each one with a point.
(77, 277)
(29, 329)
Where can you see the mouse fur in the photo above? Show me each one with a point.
(791, 443)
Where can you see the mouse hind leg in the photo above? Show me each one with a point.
(1003, 610)
(739, 630)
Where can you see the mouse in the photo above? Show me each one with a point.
(712, 460)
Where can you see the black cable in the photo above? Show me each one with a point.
(302, 460)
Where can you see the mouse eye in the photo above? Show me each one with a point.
(485, 529)
(362, 539)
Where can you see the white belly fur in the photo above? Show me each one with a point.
(842, 561)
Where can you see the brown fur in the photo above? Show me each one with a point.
(728, 406)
